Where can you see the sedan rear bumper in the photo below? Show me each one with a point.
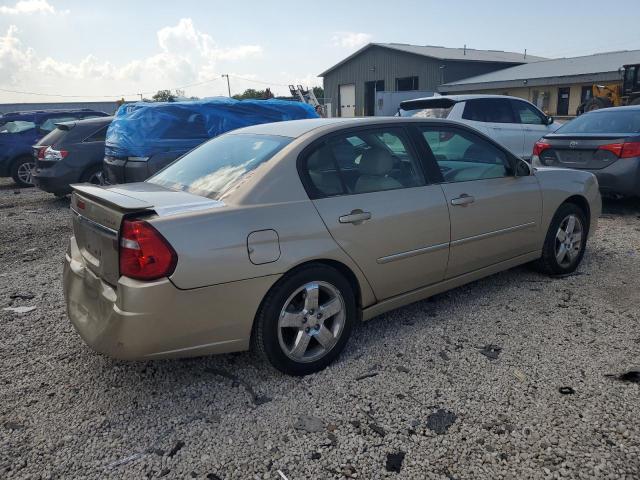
(621, 177)
(150, 320)
(56, 179)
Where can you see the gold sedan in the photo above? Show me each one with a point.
(279, 237)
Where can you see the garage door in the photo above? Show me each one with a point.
(348, 100)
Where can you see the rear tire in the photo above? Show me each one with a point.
(597, 103)
(21, 171)
(565, 242)
(305, 320)
(93, 175)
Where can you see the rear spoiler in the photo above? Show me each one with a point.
(107, 195)
(420, 103)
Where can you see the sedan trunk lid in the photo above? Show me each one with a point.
(98, 213)
(580, 151)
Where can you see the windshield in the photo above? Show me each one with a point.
(215, 167)
(426, 112)
(615, 121)
(16, 126)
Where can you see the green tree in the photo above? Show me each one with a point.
(164, 96)
(318, 92)
(251, 93)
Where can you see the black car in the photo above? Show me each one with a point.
(72, 153)
(605, 142)
(20, 130)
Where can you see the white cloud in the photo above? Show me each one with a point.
(186, 55)
(350, 39)
(28, 7)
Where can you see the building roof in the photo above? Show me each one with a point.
(446, 53)
(607, 63)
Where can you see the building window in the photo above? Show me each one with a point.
(406, 83)
(540, 98)
(586, 94)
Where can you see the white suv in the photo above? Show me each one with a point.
(511, 121)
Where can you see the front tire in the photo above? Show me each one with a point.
(565, 242)
(305, 320)
(21, 171)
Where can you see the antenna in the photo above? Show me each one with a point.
(464, 52)
(525, 53)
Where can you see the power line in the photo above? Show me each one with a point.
(135, 94)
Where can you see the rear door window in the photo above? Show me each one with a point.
(490, 110)
(361, 162)
(17, 126)
(528, 114)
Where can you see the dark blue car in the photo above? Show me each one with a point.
(19, 131)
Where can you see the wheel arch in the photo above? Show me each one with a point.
(582, 203)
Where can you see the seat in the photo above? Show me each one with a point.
(374, 169)
(322, 172)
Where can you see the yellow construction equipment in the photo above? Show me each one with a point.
(627, 92)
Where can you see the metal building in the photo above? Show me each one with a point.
(352, 85)
(557, 86)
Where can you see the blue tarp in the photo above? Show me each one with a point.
(143, 129)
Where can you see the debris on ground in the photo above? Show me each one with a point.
(20, 309)
(309, 424)
(444, 355)
(176, 448)
(402, 369)
(394, 462)
(22, 296)
(440, 421)
(566, 390)
(377, 428)
(366, 375)
(519, 375)
(492, 352)
(632, 376)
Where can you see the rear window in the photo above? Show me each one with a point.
(426, 112)
(54, 137)
(492, 110)
(217, 166)
(616, 121)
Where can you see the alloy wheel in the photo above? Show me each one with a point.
(568, 240)
(24, 172)
(311, 322)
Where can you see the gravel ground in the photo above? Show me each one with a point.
(413, 396)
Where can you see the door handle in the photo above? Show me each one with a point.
(356, 217)
(463, 200)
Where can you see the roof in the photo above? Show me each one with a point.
(448, 100)
(52, 111)
(446, 53)
(607, 62)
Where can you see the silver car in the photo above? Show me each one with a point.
(281, 236)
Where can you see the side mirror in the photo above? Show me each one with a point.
(522, 169)
(550, 120)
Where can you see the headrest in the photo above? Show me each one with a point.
(376, 161)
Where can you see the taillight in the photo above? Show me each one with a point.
(144, 253)
(540, 146)
(52, 155)
(623, 150)
(40, 150)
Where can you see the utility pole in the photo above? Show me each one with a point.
(228, 85)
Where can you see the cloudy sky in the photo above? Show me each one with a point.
(103, 50)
